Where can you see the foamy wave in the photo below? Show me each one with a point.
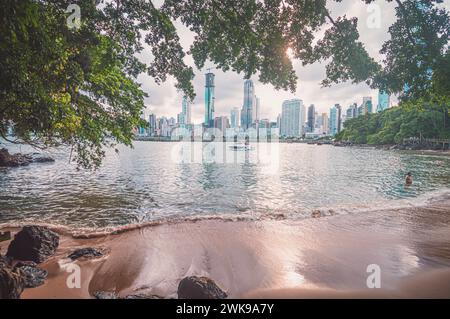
(423, 200)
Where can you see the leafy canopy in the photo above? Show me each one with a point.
(79, 87)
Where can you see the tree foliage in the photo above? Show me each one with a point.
(79, 87)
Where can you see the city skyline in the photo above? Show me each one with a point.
(304, 119)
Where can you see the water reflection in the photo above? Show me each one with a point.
(145, 183)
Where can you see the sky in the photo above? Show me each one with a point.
(164, 100)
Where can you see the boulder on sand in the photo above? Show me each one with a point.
(194, 287)
(105, 295)
(33, 243)
(12, 282)
(87, 253)
(33, 275)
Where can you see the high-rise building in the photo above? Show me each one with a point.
(292, 118)
(249, 105)
(257, 113)
(311, 118)
(333, 121)
(185, 115)
(209, 100)
(234, 117)
(152, 125)
(352, 111)
(383, 101)
(325, 124)
(221, 123)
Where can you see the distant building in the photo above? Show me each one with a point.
(264, 123)
(185, 115)
(352, 111)
(383, 101)
(257, 110)
(325, 124)
(248, 112)
(311, 118)
(333, 121)
(221, 123)
(292, 118)
(234, 117)
(209, 100)
(152, 125)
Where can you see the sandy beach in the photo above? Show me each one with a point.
(316, 257)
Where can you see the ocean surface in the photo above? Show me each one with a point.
(158, 181)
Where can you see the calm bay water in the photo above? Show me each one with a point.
(146, 184)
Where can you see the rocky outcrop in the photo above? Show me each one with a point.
(12, 282)
(33, 243)
(105, 295)
(14, 160)
(142, 296)
(33, 275)
(194, 287)
(87, 253)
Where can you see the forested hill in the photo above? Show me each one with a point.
(393, 125)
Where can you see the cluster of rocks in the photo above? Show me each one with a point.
(191, 287)
(19, 268)
(13, 160)
(32, 245)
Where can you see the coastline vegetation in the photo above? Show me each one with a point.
(393, 125)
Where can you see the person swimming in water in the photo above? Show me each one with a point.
(409, 179)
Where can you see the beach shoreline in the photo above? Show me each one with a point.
(318, 257)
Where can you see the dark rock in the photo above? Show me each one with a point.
(5, 261)
(142, 296)
(9, 160)
(33, 275)
(33, 243)
(86, 253)
(316, 214)
(199, 288)
(13, 160)
(105, 295)
(43, 159)
(12, 283)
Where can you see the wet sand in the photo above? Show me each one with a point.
(313, 258)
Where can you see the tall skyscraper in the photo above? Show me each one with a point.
(209, 100)
(257, 113)
(152, 125)
(234, 117)
(383, 101)
(339, 117)
(333, 121)
(249, 105)
(352, 111)
(325, 124)
(311, 118)
(292, 118)
(185, 116)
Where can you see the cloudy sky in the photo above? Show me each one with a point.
(164, 100)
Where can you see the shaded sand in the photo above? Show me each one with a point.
(313, 258)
